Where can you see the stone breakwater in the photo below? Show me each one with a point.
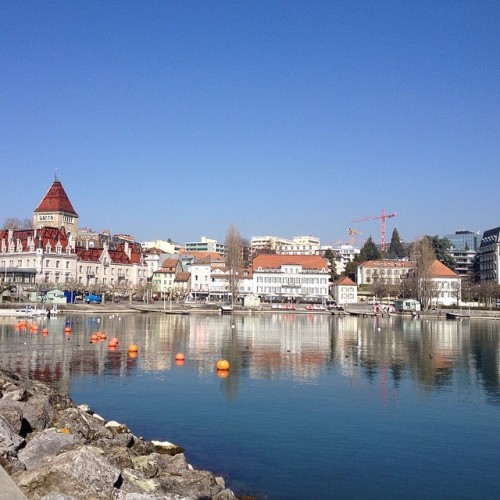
(53, 449)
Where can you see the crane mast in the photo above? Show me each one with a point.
(383, 217)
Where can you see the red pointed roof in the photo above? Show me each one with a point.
(345, 281)
(439, 270)
(56, 200)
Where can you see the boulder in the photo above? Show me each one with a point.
(46, 445)
(80, 473)
(55, 450)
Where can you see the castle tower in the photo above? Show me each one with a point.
(55, 210)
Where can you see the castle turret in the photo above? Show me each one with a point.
(55, 210)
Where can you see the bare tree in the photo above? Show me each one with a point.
(234, 260)
(422, 254)
(379, 288)
(14, 223)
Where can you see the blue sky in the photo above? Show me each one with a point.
(176, 119)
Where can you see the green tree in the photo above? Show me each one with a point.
(330, 256)
(441, 247)
(396, 248)
(369, 251)
(350, 269)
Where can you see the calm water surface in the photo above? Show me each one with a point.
(313, 406)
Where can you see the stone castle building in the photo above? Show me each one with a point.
(51, 254)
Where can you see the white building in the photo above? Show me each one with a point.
(447, 284)
(290, 275)
(300, 245)
(166, 246)
(345, 291)
(385, 271)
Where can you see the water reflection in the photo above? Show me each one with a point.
(434, 354)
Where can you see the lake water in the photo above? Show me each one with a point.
(312, 407)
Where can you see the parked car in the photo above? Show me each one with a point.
(92, 299)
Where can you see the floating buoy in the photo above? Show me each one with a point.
(113, 343)
(179, 362)
(180, 356)
(67, 329)
(115, 340)
(45, 331)
(222, 373)
(222, 364)
(94, 337)
(133, 348)
(133, 354)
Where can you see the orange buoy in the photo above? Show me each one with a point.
(101, 335)
(112, 343)
(180, 356)
(45, 330)
(222, 373)
(133, 348)
(179, 362)
(222, 364)
(94, 337)
(115, 340)
(67, 329)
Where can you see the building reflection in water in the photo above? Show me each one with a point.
(433, 353)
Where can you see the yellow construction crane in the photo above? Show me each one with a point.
(352, 235)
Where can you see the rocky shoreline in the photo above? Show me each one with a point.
(55, 450)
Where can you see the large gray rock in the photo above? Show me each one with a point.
(84, 424)
(80, 473)
(12, 412)
(45, 445)
(72, 454)
(10, 442)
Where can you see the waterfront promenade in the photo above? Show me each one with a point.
(360, 308)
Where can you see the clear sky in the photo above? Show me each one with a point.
(176, 119)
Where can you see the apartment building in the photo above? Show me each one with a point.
(386, 271)
(464, 246)
(291, 276)
(489, 256)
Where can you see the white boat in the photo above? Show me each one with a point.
(5, 313)
(52, 312)
(226, 309)
(30, 312)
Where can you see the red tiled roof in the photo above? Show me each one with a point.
(135, 251)
(345, 281)
(56, 200)
(273, 261)
(41, 237)
(89, 254)
(439, 270)
(199, 255)
(119, 257)
(183, 276)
